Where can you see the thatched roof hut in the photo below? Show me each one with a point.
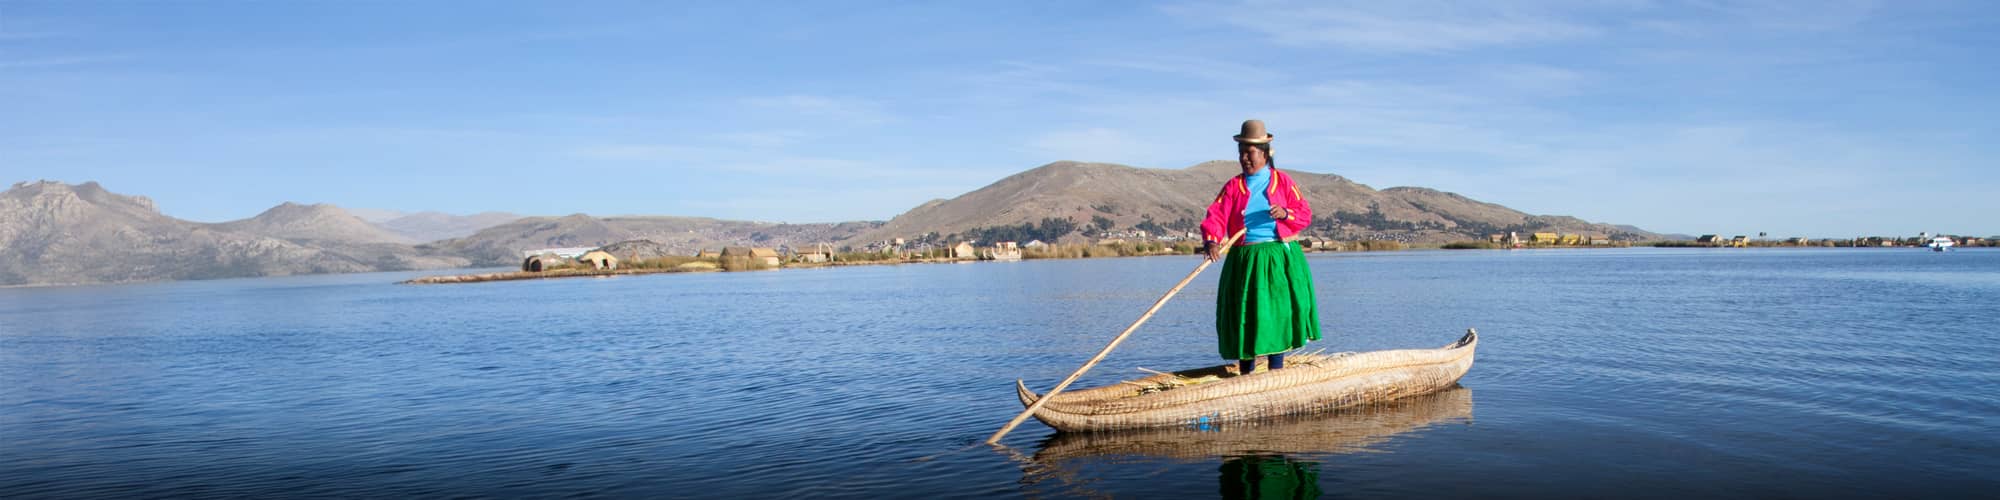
(543, 262)
(769, 256)
(599, 259)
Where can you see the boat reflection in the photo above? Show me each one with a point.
(1272, 458)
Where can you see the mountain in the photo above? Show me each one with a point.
(56, 233)
(376, 215)
(317, 222)
(1174, 200)
(434, 226)
(505, 243)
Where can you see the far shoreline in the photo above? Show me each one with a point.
(682, 264)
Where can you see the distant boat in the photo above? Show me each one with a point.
(1940, 244)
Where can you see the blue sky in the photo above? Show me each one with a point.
(1823, 118)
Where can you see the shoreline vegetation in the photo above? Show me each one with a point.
(687, 264)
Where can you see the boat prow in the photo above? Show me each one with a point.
(1212, 395)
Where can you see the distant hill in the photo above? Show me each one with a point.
(317, 222)
(503, 244)
(1172, 201)
(376, 215)
(56, 233)
(434, 226)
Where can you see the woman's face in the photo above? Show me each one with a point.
(1251, 158)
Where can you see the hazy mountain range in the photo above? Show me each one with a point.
(432, 226)
(56, 233)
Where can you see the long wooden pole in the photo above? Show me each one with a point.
(1011, 424)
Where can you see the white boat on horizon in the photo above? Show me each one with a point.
(1940, 244)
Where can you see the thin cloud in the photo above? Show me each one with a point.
(1093, 144)
(845, 109)
(1393, 26)
(59, 61)
(1196, 68)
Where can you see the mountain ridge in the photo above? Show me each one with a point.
(1174, 200)
(56, 233)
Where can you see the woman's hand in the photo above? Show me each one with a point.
(1279, 213)
(1213, 250)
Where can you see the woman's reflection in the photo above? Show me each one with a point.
(1269, 476)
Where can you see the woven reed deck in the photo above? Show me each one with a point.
(1309, 383)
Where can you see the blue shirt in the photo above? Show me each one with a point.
(1258, 226)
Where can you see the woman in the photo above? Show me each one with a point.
(1265, 305)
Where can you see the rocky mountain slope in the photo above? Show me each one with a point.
(317, 222)
(1164, 200)
(56, 233)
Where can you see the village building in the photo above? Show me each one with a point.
(1034, 244)
(1709, 239)
(1545, 238)
(964, 250)
(1739, 241)
(599, 260)
(766, 255)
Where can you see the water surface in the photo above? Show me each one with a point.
(1640, 372)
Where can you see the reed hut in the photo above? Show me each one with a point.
(766, 255)
(963, 250)
(599, 260)
(543, 262)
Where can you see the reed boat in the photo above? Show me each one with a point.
(1309, 383)
(1346, 430)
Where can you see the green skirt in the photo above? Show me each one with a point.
(1265, 304)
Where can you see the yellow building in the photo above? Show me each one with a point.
(1545, 238)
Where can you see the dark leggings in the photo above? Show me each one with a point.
(1245, 366)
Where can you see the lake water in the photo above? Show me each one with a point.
(1601, 373)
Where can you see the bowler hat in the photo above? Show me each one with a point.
(1253, 133)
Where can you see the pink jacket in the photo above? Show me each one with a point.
(1225, 215)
